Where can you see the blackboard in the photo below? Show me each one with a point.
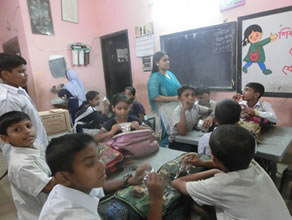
(203, 56)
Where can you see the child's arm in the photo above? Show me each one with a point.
(155, 187)
(102, 135)
(182, 124)
(50, 185)
(113, 185)
(180, 183)
(197, 162)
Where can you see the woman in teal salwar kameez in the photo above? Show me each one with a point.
(162, 92)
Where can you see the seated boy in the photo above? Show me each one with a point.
(203, 97)
(185, 117)
(255, 109)
(239, 188)
(28, 171)
(75, 161)
(226, 112)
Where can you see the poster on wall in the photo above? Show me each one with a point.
(144, 40)
(265, 51)
(40, 17)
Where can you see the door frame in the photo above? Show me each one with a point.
(105, 37)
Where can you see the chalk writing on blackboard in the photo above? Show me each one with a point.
(222, 41)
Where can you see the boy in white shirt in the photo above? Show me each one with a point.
(203, 97)
(239, 188)
(28, 171)
(254, 109)
(185, 116)
(14, 98)
(75, 161)
(226, 112)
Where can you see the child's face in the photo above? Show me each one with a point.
(129, 94)
(163, 63)
(204, 99)
(94, 101)
(188, 95)
(17, 77)
(249, 94)
(121, 110)
(88, 170)
(20, 134)
(254, 37)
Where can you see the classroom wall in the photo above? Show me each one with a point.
(101, 17)
(115, 16)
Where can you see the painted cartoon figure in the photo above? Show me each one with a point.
(256, 54)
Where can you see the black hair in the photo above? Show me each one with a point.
(156, 58)
(131, 89)
(120, 97)
(227, 112)
(233, 146)
(257, 87)
(183, 88)
(61, 151)
(10, 118)
(248, 31)
(202, 90)
(8, 62)
(90, 95)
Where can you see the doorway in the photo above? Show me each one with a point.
(116, 62)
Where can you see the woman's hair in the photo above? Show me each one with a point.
(120, 97)
(247, 32)
(90, 95)
(131, 89)
(156, 58)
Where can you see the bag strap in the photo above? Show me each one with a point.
(88, 111)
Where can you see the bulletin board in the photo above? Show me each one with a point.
(269, 64)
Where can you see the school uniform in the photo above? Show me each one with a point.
(66, 203)
(28, 174)
(137, 109)
(212, 104)
(111, 122)
(17, 99)
(265, 110)
(191, 118)
(203, 145)
(242, 194)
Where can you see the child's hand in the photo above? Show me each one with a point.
(192, 158)
(106, 105)
(237, 97)
(208, 122)
(187, 104)
(135, 125)
(139, 175)
(155, 186)
(115, 129)
(273, 37)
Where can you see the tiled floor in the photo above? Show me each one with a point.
(8, 212)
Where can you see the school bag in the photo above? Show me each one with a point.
(134, 144)
(111, 158)
(253, 128)
(133, 202)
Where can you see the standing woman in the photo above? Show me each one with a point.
(162, 92)
(74, 91)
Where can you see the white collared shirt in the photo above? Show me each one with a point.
(65, 203)
(264, 109)
(191, 118)
(244, 194)
(28, 173)
(16, 99)
(212, 104)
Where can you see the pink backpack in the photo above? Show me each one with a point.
(134, 144)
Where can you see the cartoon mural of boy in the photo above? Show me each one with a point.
(253, 35)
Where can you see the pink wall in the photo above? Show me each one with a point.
(114, 16)
(101, 17)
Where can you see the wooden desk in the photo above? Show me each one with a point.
(156, 160)
(274, 142)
